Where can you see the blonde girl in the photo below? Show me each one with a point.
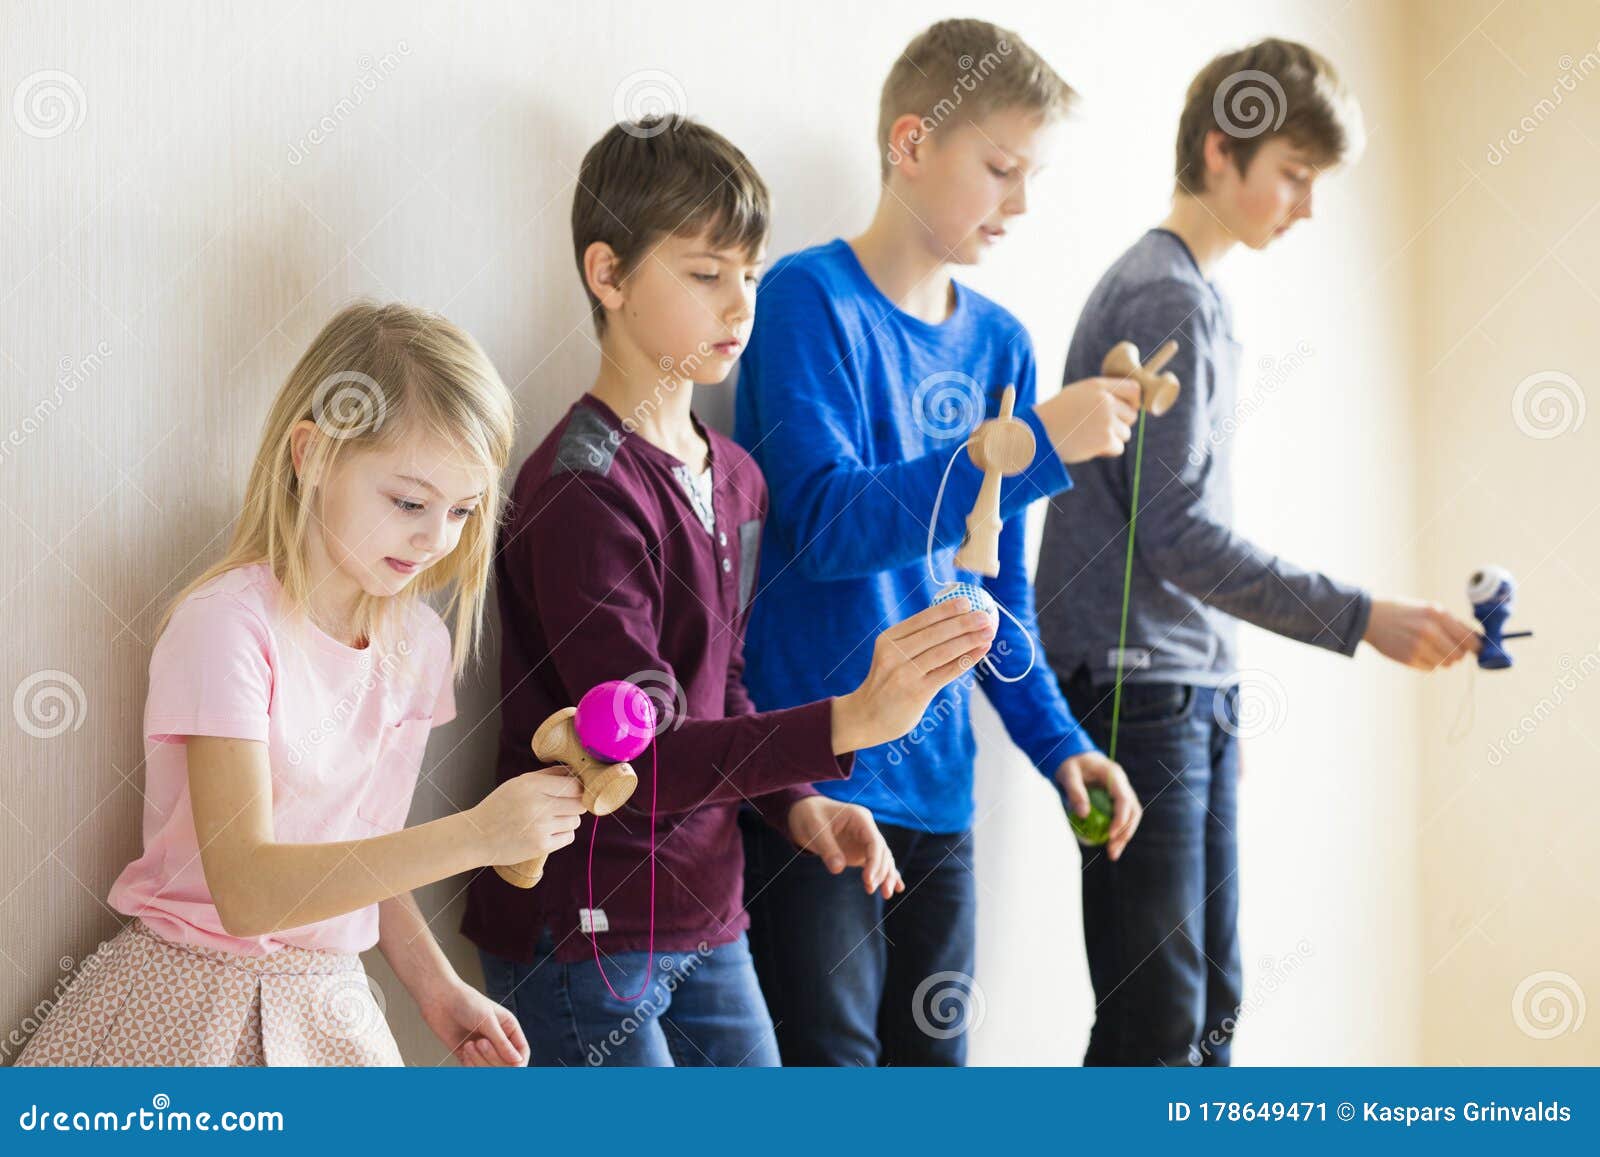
(292, 689)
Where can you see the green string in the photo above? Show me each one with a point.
(1127, 585)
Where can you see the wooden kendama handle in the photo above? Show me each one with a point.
(1000, 447)
(606, 786)
(1159, 390)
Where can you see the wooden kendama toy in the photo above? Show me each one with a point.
(1158, 389)
(612, 724)
(1000, 447)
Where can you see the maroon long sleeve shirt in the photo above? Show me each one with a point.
(604, 571)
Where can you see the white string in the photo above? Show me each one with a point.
(986, 662)
(1466, 708)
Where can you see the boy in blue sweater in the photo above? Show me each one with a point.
(868, 368)
(1258, 126)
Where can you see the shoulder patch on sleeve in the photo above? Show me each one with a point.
(588, 445)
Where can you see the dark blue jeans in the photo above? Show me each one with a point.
(853, 979)
(1161, 924)
(700, 1008)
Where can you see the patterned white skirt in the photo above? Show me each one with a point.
(143, 1000)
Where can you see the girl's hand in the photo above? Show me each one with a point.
(532, 815)
(845, 836)
(477, 1030)
(911, 661)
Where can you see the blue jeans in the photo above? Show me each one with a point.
(1161, 924)
(853, 979)
(700, 1009)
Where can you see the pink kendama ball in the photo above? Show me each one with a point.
(615, 721)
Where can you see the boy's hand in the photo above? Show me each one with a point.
(911, 661)
(1075, 774)
(1420, 635)
(479, 1031)
(845, 836)
(1090, 419)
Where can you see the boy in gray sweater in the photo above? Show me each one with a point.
(1258, 127)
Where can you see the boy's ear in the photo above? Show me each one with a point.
(602, 272)
(1218, 152)
(907, 139)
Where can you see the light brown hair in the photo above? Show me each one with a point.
(1272, 88)
(966, 69)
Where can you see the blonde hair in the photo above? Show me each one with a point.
(968, 65)
(374, 375)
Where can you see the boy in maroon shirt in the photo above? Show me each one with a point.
(630, 552)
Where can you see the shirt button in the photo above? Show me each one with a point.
(727, 564)
(722, 538)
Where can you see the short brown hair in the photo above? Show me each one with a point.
(970, 65)
(1272, 88)
(659, 177)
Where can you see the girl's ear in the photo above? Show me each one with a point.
(299, 443)
(602, 272)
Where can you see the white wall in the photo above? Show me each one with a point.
(170, 255)
(1511, 141)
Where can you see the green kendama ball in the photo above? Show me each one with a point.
(1095, 828)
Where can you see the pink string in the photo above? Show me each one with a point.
(650, 952)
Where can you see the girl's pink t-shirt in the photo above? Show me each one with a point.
(344, 730)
